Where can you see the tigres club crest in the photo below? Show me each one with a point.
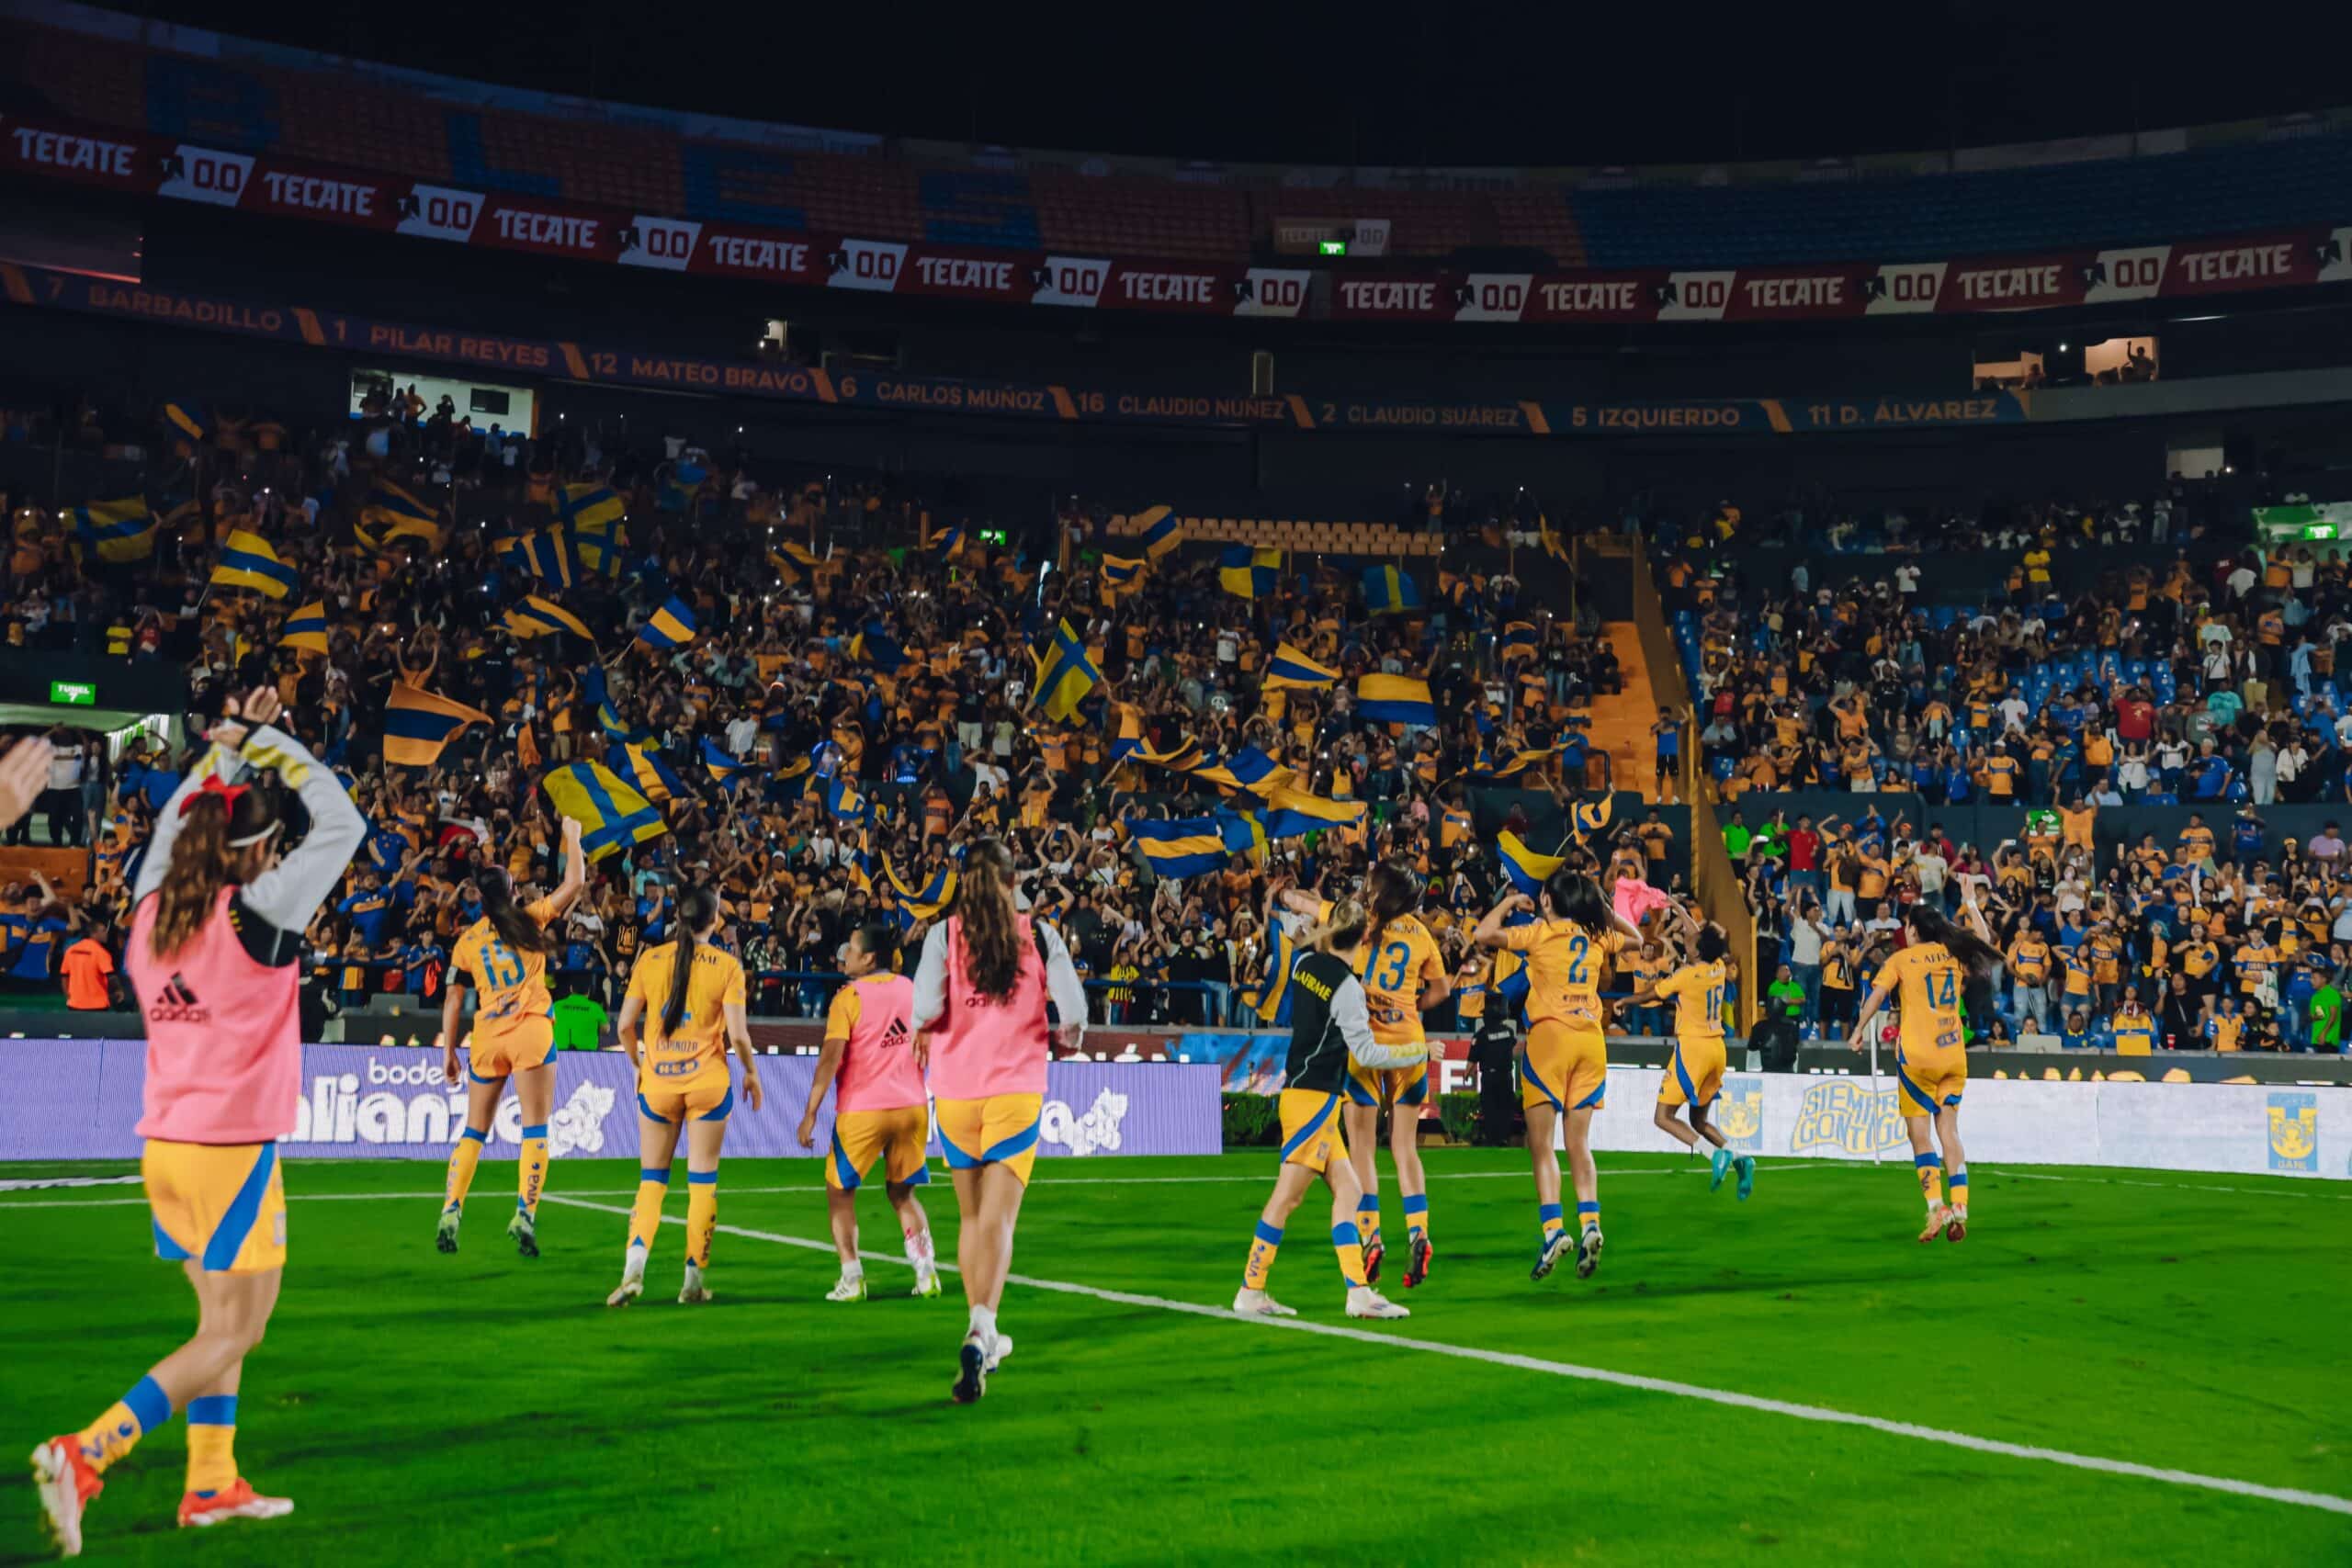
(2294, 1131)
(1739, 1113)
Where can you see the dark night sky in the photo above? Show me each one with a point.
(1459, 84)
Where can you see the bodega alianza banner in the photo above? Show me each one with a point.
(268, 182)
(80, 1099)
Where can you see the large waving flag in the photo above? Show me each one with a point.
(1161, 532)
(1591, 817)
(536, 617)
(1064, 675)
(1389, 591)
(611, 815)
(1249, 574)
(671, 626)
(391, 513)
(1181, 756)
(876, 647)
(1518, 641)
(1293, 670)
(948, 542)
(608, 717)
(600, 555)
(843, 802)
(187, 419)
(418, 724)
(1189, 846)
(1271, 998)
(1290, 812)
(1121, 577)
(927, 902)
(643, 766)
(306, 629)
(589, 508)
(1248, 769)
(117, 531)
(1526, 869)
(544, 553)
(1394, 699)
(247, 562)
(725, 769)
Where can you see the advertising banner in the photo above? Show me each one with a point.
(80, 1099)
(140, 164)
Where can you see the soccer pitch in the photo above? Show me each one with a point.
(427, 1409)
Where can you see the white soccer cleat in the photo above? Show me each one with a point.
(848, 1287)
(1257, 1304)
(66, 1486)
(695, 1291)
(1365, 1302)
(926, 1281)
(632, 1283)
(998, 1351)
(1588, 1252)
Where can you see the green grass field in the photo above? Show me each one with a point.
(424, 1409)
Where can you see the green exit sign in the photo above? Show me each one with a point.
(2319, 530)
(1332, 247)
(73, 693)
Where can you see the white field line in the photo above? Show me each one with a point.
(1815, 1412)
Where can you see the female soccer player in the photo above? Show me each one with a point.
(694, 993)
(880, 1112)
(218, 925)
(503, 956)
(981, 990)
(1331, 1037)
(1403, 974)
(1563, 1065)
(1931, 1058)
(1694, 1073)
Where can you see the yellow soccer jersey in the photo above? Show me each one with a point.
(1565, 965)
(699, 1052)
(508, 983)
(1927, 982)
(1698, 993)
(1393, 975)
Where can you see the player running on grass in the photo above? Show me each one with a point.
(1564, 1064)
(1330, 1036)
(1930, 975)
(879, 1109)
(691, 995)
(213, 944)
(1694, 1074)
(981, 989)
(503, 956)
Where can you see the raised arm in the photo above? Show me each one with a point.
(575, 871)
(1063, 984)
(1490, 933)
(290, 891)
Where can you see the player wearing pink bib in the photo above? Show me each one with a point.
(218, 925)
(981, 990)
(879, 1109)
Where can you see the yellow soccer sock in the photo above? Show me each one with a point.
(1931, 1176)
(1368, 1219)
(1348, 1242)
(645, 1217)
(462, 1160)
(211, 1443)
(1959, 1188)
(1589, 1215)
(127, 1420)
(1553, 1224)
(1268, 1242)
(531, 1172)
(1417, 1215)
(702, 1215)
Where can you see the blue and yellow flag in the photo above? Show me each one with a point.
(1389, 591)
(928, 902)
(544, 553)
(1248, 769)
(1121, 577)
(611, 815)
(590, 508)
(1293, 670)
(642, 765)
(306, 629)
(1249, 574)
(843, 800)
(1269, 999)
(1394, 699)
(391, 513)
(1290, 812)
(1518, 641)
(117, 531)
(1181, 756)
(187, 419)
(1591, 817)
(1189, 846)
(1526, 869)
(418, 724)
(1064, 675)
(608, 717)
(1161, 532)
(949, 543)
(600, 555)
(876, 647)
(722, 764)
(671, 626)
(536, 617)
(247, 562)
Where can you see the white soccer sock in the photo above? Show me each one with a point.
(919, 1247)
(853, 1270)
(984, 1324)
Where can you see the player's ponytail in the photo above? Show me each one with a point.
(983, 911)
(1394, 891)
(1572, 896)
(509, 919)
(1976, 955)
(219, 830)
(697, 913)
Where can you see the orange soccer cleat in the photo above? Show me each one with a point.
(238, 1502)
(1937, 1218)
(67, 1483)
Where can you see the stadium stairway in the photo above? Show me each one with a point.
(1621, 721)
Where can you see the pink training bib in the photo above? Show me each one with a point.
(990, 1046)
(878, 1071)
(224, 1035)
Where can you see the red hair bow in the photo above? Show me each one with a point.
(228, 794)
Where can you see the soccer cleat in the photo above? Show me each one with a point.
(66, 1484)
(926, 1283)
(1937, 1218)
(1548, 1258)
(1747, 1164)
(239, 1502)
(1365, 1302)
(1000, 1348)
(1373, 1253)
(972, 1370)
(1588, 1252)
(632, 1287)
(1721, 1168)
(1418, 1254)
(848, 1287)
(1956, 1228)
(1257, 1304)
(694, 1292)
(445, 1235)
(525, 1232)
